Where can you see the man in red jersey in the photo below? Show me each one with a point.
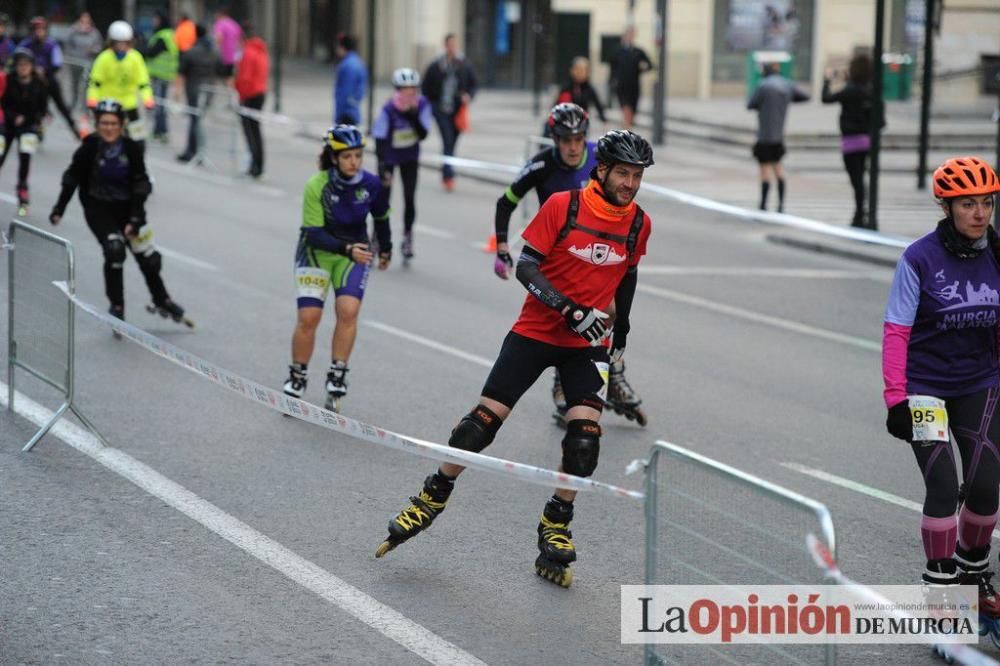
(579, 264)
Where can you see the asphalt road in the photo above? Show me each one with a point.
(757, 355)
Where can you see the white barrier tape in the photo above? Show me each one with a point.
(781, 219)
(963, 654)
(305, 411)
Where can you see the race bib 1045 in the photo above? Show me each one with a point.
(930, 418)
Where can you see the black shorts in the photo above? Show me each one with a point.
(522, 360)
(768, 153)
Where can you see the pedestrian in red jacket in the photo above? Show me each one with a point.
(251, 86)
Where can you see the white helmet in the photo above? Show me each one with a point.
(120, 31)
(406, 78)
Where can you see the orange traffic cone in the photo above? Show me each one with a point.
(491, 244)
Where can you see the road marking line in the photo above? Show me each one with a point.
(861, 488)
(749, 315)
(184, 259)
(434, 231)
(427, 342)
(754, 271)
(387, 621)
(201, 174)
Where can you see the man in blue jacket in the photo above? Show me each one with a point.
(352, 78)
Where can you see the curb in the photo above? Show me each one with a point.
(822, 246)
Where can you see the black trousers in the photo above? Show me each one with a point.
(107, 222)
(55, 92)
(855, 164)
(11, 135)
(408, 174)
(251, 130)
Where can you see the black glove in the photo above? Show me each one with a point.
(618, 345)
(589, 323)
(899, 422)
(503, 265)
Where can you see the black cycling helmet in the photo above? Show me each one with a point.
(22, 53)
(568, 119)
(111, 106)
(343, 137)
(624, 147)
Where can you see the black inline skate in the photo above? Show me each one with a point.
(621, 398)
(295, 385)
(170, 310)
(118, 312)
(555, 545)
(421, 512)
(972, 565)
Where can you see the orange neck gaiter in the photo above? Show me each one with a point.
(593, 199)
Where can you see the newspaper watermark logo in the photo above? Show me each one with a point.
(719, 614)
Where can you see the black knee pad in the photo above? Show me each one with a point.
(476, 430)
(581, 446)
(114, 250)
(150, 262)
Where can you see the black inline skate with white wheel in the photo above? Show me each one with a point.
(622, 399)
(170, 310)
(336, 385)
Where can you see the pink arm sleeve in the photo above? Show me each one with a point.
(895, 339)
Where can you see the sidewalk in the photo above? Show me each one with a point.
(725, 171)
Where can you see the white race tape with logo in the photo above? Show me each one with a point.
(305, 411)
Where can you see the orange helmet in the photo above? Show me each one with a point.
(963, 177)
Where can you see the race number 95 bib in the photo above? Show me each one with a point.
(930, 418)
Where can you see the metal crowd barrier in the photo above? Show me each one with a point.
(40, 334)
(709, 523)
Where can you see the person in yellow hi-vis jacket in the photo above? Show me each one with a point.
(119, 73)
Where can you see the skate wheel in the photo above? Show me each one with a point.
(384, 548)
(560, 419)
(939, 652)
(333, 404)
(116, 335)
(187, 322)
(152, 309)
(640, 418)
(995, 633)
(559, 574)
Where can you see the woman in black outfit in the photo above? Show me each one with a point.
(855, 100)
(24, 103)
(110, 171)
(579, 91)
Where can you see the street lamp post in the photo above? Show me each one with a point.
(877, 113)
(925, 95)
(660, 99)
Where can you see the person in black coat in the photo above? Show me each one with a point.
(629, 63)
(855, 100)
(110, 171)
(449, 84)
(579, 91)
(24, 103)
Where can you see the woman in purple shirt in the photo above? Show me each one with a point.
(939, 362)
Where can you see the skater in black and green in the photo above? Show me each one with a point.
(579, 265)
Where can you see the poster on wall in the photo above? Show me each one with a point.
(762, 25)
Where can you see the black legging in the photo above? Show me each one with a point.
(107, 222)
(251, 129)
(854, 163)
(11, 135)
(55, 92)
(408, 174)
(976, 430)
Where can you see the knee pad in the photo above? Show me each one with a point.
(151, 261)
(114, 250)
(581, 446)
(476, 430)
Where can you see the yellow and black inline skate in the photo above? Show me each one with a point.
(555, 545)
(421, 512)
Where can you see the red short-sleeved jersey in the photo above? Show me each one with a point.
(584, 267)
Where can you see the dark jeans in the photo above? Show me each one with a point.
(855, 164)
(449, 137)
(192, 142)
(251, 129)
(161, 89)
